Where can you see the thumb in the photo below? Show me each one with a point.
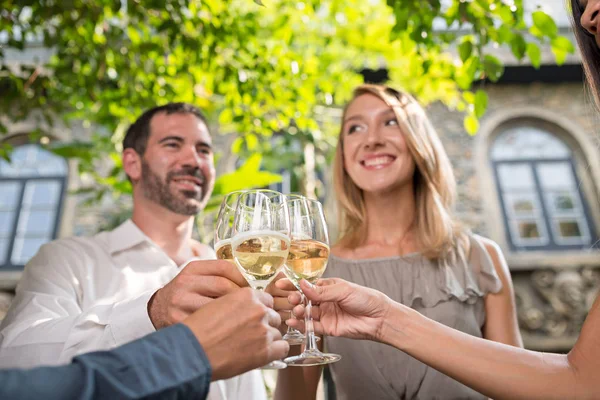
(333, 292)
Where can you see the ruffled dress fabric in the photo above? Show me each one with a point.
(450, 293)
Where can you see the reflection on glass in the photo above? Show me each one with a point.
(569, 229)
(556, 175)
(529, 230)
(36, 222)
(56, 166)
(42, 193)
(3, 250)
(7, 219)
(10, 195)
(25, 248)
(523, 206)
(528, 142)
(33, 160)
(516, 176)
(224, 227)
(564, 202)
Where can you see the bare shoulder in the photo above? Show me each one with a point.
(202, 250)
(496, 255)
(491, 246)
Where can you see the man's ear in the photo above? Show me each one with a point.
(132, 164)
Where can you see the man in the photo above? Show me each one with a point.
(83, 294)
(166, 364)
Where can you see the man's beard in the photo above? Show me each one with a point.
(158, 191)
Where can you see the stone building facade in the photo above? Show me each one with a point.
(555, 283)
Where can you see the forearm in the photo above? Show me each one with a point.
(170, 363)
(67, 331)
(497, 370)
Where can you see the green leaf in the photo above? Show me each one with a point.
(134, 35)
(471, 124)
(465, 76)
(535, 31)
(562, 43)
(236, 146)
(560, 55)
(493, 67)
(518, 46)
(480, 103)
(535, 54)
(5, 151)
(505, 34)
(252, 142)
(465, 49)
(469, 97)
(544, 23)
(82, 150)
(248, 176)
(226, 116)
(506, 14)
(259, 2)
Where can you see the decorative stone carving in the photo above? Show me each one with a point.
(552, 305)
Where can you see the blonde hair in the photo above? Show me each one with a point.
(437, 233)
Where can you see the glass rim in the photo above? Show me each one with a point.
(314, 205)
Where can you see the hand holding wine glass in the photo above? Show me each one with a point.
(309, 252)
(345, 309)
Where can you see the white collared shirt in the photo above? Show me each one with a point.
(81, 294)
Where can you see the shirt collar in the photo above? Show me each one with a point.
(125, 236)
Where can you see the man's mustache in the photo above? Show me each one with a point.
(186, 171)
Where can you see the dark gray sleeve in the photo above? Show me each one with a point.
(168, 364)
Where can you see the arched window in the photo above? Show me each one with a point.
(542, 204)
(32, 187)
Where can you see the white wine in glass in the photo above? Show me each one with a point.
(260, 242)
(223, 250)
(307, 260)
(260, 255)
(309, 252)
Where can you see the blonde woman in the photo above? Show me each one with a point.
(396, 190)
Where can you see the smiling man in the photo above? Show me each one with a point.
(84, 294)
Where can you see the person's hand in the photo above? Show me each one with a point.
(238, 332)
(281, 302)
(341, 308)
(198, 283)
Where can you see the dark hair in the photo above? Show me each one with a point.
(137, 135)
(590, 53)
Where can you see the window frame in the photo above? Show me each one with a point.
(553, 243)
(7, 264)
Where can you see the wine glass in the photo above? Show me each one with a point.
(260, 241)
(308, 255)
(224, 226)
(293, 336)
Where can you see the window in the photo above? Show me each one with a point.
(539, 191)
(32, 188)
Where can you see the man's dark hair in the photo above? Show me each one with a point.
(137, 135)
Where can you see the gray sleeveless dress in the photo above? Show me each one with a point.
(450, 294)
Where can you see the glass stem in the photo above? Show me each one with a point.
(310, 343)
(291, 330)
